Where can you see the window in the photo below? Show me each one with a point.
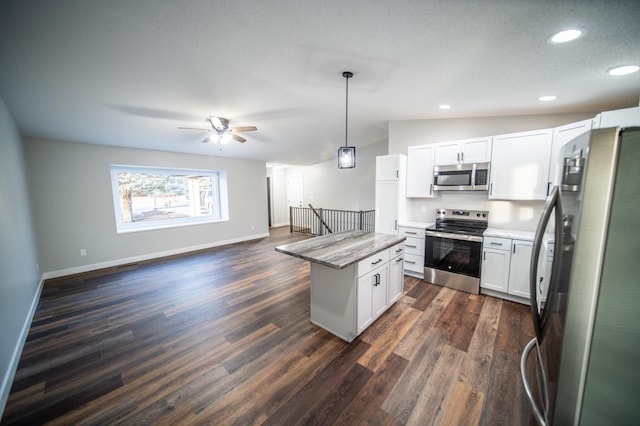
(147, 198)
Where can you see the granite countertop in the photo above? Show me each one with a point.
(341, 249)
(508, 233)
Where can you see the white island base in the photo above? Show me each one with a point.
(345, 302)
(355, 277)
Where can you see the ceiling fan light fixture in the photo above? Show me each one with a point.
(547, 98)
(346, 154)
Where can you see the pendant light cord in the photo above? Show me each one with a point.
(347, 75)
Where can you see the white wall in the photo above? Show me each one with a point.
(73, 205)
(516, 215)
(327, 187)
(19, 275)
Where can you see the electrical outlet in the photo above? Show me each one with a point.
(83, 252)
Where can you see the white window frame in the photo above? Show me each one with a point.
(218, 176)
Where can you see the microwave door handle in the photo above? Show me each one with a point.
(552, 202)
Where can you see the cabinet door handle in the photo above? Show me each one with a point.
(458, 158)
(376, 262)
(462, 157)
(395, 225)
(399, 259)
(431, 189)
(491, 188)
(397, 173)
(399, 250)
(484, 255)
(548, 188)
(514, 248)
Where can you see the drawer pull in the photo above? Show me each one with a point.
(409, 261)
(410, 232)
(410, 246)
(495, 244)
(376, 262)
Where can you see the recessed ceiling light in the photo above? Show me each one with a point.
(444, 106)
(547, 98)
(566, 35)
(624, 70)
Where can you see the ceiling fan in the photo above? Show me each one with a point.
(220, 127)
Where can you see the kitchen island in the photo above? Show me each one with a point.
(355, 277)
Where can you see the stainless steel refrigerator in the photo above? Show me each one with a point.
(585, 287)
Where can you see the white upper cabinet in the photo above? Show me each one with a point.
(476, 150)
(520, 165)
(420, 171)
(388, 167)
(562, 135)
(627, 117)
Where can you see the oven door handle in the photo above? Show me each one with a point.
(454, 236)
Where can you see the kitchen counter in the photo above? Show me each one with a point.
(509, 233)
(341, 249)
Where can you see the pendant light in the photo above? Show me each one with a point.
(346, 154)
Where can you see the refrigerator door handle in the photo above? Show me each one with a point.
(539, 413)
(553, 202)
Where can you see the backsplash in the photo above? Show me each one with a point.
(514, 215)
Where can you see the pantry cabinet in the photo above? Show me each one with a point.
(466, 151)
(520, 165)
(390, 192)
(420, 171)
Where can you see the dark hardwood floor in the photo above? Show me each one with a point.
(223, 337)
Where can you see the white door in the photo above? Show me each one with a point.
(294, 191)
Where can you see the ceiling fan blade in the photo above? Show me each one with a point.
(194, 128)
(238, 138)
(244, 129)
(207, 139)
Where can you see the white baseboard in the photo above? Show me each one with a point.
(7, 380)
(125, 261)
(277, 225)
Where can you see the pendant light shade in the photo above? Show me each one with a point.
(346, 154)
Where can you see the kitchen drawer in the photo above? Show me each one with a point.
(397, 250)
(497, 243)
(414, 263)
(414, 245)
(410, 232)
(373, 261)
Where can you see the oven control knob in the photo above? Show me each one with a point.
(484, 215)
(478, 214)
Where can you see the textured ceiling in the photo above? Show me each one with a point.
(129, 72)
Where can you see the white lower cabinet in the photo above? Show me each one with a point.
(414, 250)
(347, 301)
(505, 268)
(372, 296)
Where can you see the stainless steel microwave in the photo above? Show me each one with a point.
(461, 177)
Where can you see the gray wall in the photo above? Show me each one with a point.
(73, 206)
(19, 275)
(514, 215)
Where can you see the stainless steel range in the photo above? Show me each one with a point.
(453, 249)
